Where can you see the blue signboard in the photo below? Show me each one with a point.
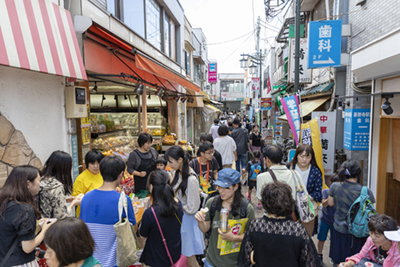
(324, 45)
(75, 162)
(356, 129)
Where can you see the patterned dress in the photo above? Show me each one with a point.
(278, 242)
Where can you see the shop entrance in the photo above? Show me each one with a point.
(388, 176)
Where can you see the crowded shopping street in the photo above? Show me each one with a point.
(161, 133)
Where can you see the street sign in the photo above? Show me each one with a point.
(325, 41)
(356, 129)
(304, 72)
(255, 84)
(212, 72)
(327, 131)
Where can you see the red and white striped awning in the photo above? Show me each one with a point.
(39, 35)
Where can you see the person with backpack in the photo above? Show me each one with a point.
(185, 185)
(343, 243)
(142, 161)
(230, 199)
(377, 248)
(254, 168)
(241, 138)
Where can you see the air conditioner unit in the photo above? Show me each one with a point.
(75, 102)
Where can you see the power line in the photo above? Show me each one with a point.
(224, 42)
(236, 49)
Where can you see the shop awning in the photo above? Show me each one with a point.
(216, 102)
(39, 35)
(307, 107)
(318, 89)
(198, 100)
(150, 66)
(206, 97)
(211, 107)
(147, 68)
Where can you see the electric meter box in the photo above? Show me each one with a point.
(75, 102)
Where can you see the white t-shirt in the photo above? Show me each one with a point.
(225, 146)
(304, 175)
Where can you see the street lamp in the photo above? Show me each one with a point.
(253, 68)
(243, 63)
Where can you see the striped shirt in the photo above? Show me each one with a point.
(99, 210)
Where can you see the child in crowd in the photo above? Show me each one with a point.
(327, 217)
(161, 164)
(254, 168)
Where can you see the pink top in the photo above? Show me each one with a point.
(392, 259)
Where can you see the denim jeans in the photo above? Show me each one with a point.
(241, 160)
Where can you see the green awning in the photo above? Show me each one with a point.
(318, 89)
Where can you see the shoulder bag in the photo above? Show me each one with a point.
(182, 262)
(370, 263)
(126, 238)
(303, 202)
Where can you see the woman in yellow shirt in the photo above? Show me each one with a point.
(90, 178)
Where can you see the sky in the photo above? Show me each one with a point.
(222, 21)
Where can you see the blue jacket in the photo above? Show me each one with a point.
(314, 183)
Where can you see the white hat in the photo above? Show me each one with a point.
(393, 235)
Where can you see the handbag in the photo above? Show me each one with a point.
(364, 262)
(126, 238)
(182, 262)
(303, 202)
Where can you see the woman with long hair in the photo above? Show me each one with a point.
(69, 244)
(231, 199)
(168, 210)
(186, 188)
(255, 140)
(305, 164)
(55, 184)
(344, 244)
(18, 216)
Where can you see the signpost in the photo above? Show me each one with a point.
(304, 71)
(327, 130)
(255, 84)
(356, 129)
(324, 46)
(212, 72)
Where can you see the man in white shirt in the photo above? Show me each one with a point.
(214, 129)
(272, 158)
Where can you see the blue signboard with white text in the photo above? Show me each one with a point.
(324, 43)
(74, 153)
(356, 129)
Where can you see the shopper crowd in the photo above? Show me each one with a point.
(198, 215)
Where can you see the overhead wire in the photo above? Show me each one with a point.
(224, 42)
(248, 38)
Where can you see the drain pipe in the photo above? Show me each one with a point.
(334, 89)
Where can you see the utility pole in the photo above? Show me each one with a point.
(297, 48)
(260, 58)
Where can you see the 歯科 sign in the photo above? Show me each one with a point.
(356, 129)
(327, 130)
(212, 73)
(324, 43)
(304, 71)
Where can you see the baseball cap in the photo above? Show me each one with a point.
(227, 177)
(393, 235)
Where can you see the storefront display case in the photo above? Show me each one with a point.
(117, 133)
